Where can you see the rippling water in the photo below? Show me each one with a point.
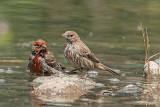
(110, 28)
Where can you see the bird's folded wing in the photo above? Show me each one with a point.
(50, 59)
(85, 52)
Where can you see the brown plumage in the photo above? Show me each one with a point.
(80, 56)
(41, 61)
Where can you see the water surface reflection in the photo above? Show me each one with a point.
(109, 28)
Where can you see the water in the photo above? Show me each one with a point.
(109, 28)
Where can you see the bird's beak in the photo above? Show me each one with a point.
(64, 35)
(44, 47)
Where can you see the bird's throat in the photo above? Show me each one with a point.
(36, 66)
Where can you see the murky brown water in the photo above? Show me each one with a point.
(109, 28)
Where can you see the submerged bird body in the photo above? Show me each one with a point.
(42, 61)
(80, 56)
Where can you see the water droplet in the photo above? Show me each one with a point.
(9, 68)
(91, 33)
(9, 71)
(27, 70)
(131, 89)
(2, 80)
(123, 75)
(99, 84)
(114, 80)
(2, 70)
(54, 44)
(17, 66)
(92, 73)
(85, 99)
(139, 28)
(138, 83)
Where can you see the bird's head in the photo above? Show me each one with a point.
(71, 36)
(39, 46)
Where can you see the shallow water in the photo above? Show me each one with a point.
(109, 28)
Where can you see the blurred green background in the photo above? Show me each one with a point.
(111, 25)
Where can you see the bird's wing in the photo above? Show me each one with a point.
(85, 52)
(51, 61)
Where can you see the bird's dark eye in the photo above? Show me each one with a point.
(36, 45)
(71, 35)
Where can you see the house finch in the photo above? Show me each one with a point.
(80, 56)
(41, 61)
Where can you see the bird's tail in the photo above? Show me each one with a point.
(105, 68)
